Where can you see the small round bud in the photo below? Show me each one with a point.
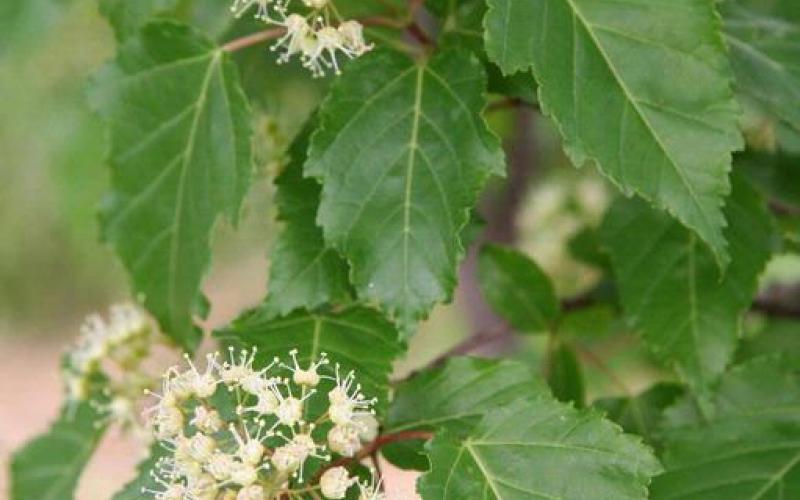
(252, 492)
(202, 447)
(220, 466)
(251, 452)
(315, 4)
(334, 483)
(308, 378)
(206, 420)
(289, 411)
(285, 459)
(243, 474)
(343, 439)
(367, 426)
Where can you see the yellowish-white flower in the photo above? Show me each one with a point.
(335, 482)
(237, 455)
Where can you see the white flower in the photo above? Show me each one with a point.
(311, 36)
(286, 458)
(252, 492)
(347, 401)
(206, 420)
(174, 491)
(371, 490)
(335, 482)
(367, 426)
(224, 455)
(202, 447)
(297, 39)
(250, 449)
(309, 376)
(243, 474)
(239, 7)
(266, 404)
(168, 422)
(352, 33)
(203, 385)
(344, 440)
(221, 466)
(202, 487)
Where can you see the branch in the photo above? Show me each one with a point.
(509, 103)
(253, 39)
(779, 302)
(781, 208)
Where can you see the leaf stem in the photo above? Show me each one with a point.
(253, 39)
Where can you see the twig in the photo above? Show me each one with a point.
(253, 39)
(377, 464)
(419, 34)
(509, 103)
(779, 302)
(781, 208)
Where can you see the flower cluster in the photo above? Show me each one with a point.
(115, 347)
(234, 431)
(310, 35)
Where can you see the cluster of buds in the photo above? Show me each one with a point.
(310, 35)
(117, 348)
(234, 431)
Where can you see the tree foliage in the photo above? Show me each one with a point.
(689, 108)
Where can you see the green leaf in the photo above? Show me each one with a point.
(585, 247)
(455, 395)
(641, 414)
(764, 55)
(144, 479)
(180, 157)
(517, 289)
(49, 467)
(565, 377)
(462, 26)
(402, 152)
(539, 449)
(671, 288)
(357, 338)
(749, 448)
(642, 89)
(304, 273)
(127, 16)
(776, 175)
(776, 336)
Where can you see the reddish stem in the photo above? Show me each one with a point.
(373, 447)
(253, 39)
